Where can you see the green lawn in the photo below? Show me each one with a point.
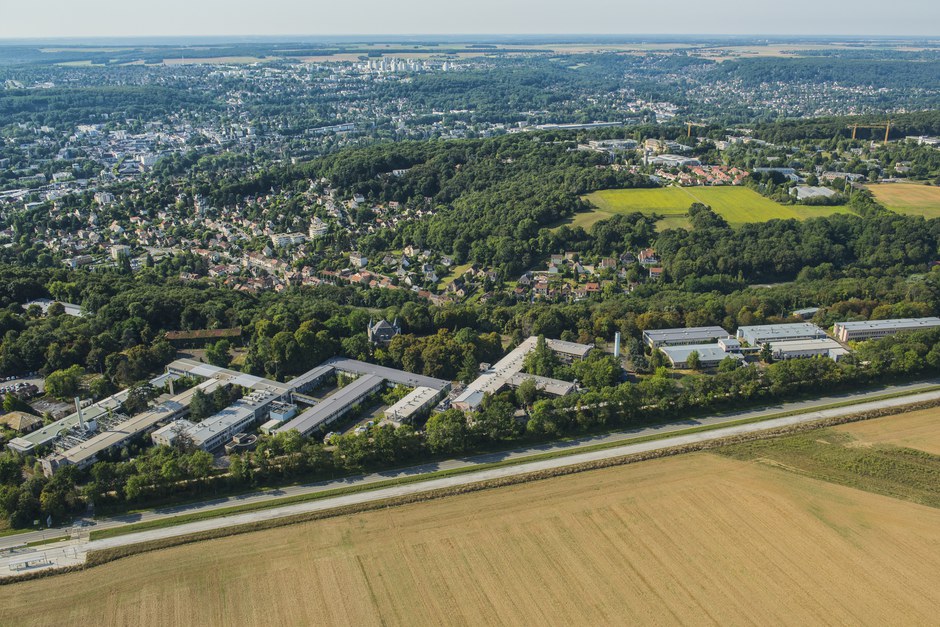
(738, 205)
(456, 271)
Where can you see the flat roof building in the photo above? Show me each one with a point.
(872, 329)
(502, 372)
(413, 403)
(335, 405)
(399, 377)
(555, 387)
(91, 413)
(709, 355)
(654, 338)
(792, 349)
(214, 431)
(310, 379)
(772, 333)
(87, 451)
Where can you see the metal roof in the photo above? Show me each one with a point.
(400, 377)
(896, 323)
(691, 334)
(335, 404)
(776, 332)
(707, 353)
(412, 402)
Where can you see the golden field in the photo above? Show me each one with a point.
(697, 538)
(908, 198)
(918, 430)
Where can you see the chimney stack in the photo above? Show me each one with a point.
(78, 408)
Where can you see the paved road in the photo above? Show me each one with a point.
(73, 551)
(256, 497)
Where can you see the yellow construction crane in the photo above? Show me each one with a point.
(886, 126)
(691, 124)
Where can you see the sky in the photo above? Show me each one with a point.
(130, 18)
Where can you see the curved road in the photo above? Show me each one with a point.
(73, 551)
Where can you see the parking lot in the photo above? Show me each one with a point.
(16, 384)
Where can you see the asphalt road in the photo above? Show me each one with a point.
(495, 473)
(74, 550)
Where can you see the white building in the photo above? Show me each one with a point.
(871, 329)
(773, 333)
(793, 349)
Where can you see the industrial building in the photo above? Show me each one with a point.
(335, 405)
(86, 452)
(413, 404)
(773, 333)
(214, 431)
(792, 349)
(398, 377)
(79, 441)
(872, 329)
(569, 351)
(709, 355)
(555, 387)
(504, 372)
(654, 338)
(90, 413)
(85, 447)
(310, 379)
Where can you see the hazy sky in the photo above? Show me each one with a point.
(123, 18)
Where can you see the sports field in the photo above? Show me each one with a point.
(697, 538)
(738, 205)
(908, 198)
(918, 430)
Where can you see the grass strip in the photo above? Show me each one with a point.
(171, 521)
(47, 541)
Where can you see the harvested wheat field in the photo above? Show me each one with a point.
(919, 430)
(691, 539)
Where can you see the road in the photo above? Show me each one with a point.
(73, 551)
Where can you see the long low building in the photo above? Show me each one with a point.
(793, 349)
(311, 379)
(555, 387)
(872, 329)
(335, 405)
(569, 351)
(413, 404)
(193, 368)
(214, 431)
(87, 451)
(90, 413)
(773, 333)
(398, 377)
(709, 355)
(502, 372)
(654, 338)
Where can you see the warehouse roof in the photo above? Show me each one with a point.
(311, 376)
(777, 332)
(707, 353)
(411, 403)
(333, 404)
(400, 377)
(555, 387)
(802, 345)
(664, 336)
(897, 323)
